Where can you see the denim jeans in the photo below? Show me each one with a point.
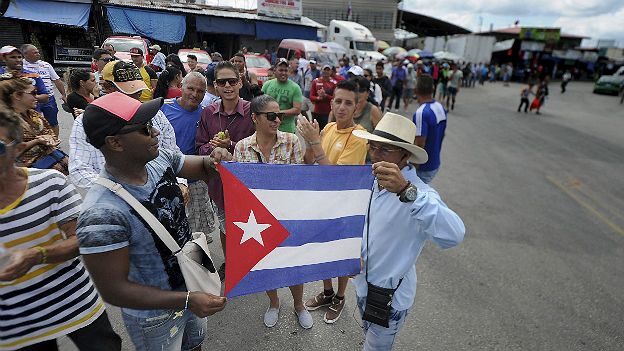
(379, 338)
(50, 111)
(427, 176)
(172, 331)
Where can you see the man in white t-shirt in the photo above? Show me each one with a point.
(32, 62)
(454, 79)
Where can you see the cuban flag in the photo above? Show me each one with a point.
(292, 224)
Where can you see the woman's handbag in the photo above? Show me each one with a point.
(194, 258)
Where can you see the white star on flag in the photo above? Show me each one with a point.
(251, 229)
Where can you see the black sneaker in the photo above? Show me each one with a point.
(221, 272)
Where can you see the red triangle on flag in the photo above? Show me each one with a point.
(245, 247)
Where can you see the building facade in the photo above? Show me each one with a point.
(378, 16)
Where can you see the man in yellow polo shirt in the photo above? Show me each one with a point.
(147, 73)
(334, 146)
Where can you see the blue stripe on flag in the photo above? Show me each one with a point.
(268, 279)
(321, 231)
(301, 177)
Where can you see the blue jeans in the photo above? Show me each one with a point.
(379, 338)
(427, 176)
(172, 331)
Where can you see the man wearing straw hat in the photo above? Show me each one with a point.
(403, 214)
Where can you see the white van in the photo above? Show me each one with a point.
(357, 39)
(308, 49)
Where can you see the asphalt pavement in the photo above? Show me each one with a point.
(542, 264)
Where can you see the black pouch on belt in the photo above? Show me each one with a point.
(378, 304)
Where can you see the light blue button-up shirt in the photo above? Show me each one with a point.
(396, 235)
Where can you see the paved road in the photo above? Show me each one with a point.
(542, 266)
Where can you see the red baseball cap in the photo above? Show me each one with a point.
(106, 116)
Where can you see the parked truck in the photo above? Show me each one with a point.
(357, 39)
(471, 48)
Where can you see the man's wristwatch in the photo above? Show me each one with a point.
(409, 193)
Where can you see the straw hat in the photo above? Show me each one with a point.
(399, 131)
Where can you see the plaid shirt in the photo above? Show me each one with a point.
(86, 162)
(287, 150)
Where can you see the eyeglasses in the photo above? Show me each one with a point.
(4, 146)
(382, 149)
(146, 129)
(33, 92)
(221, 82)
(108, 59)
(271, 116)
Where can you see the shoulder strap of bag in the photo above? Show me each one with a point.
(152, 221)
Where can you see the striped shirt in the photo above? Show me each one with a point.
(53, 299)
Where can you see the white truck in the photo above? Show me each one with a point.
(357, 39)
(471, 48)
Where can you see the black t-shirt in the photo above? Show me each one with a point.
(75, 100)
(150, 72)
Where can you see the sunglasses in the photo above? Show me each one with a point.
(271, 116)
(145, 129)
(109, 59)
(382, 149)
(4, 146)
(221, 82)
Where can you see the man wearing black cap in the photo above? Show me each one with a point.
(127, 261)
(147, 74)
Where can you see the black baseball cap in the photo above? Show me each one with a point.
(125, 75)
(106, 115)
(136, 52)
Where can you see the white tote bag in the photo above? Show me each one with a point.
(194, 258)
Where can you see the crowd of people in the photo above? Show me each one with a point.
(157, 130)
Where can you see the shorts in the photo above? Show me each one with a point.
(427, 176)
(306, 105)
(171, 331)
(201, 214)
(50, 111)
(452, 91)
(441, 89)
(220, 216)
(408, 93)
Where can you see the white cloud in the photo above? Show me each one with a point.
(592, 18)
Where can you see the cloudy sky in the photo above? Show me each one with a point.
(598, 19)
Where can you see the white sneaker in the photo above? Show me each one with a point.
(271, 316)
(305, 319)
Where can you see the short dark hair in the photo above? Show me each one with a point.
(191, 56)
(224, 65)
(362, 83)
(97, 53)
(347, 85)
(259, 102)
(379, 64)
(10, 121)
(424, 85)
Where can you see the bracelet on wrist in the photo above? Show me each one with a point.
(186, 303)
(314, 142)
(44, 254)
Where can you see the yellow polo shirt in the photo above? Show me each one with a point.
(343, 148)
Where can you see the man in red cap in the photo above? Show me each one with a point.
(128, 262)
(147, 74)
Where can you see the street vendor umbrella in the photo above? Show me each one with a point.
(401, 55)
(381, 45)
(393, 50)
(413, 54)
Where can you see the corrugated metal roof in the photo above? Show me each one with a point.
(205, 10)
(516, 30)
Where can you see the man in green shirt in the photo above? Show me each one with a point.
(288, 96)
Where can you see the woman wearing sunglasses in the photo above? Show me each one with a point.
(42, 145)
(269, 145)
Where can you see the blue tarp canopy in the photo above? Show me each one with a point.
(271, 30)
(161, 26)
(209, 24)
(68, 13)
